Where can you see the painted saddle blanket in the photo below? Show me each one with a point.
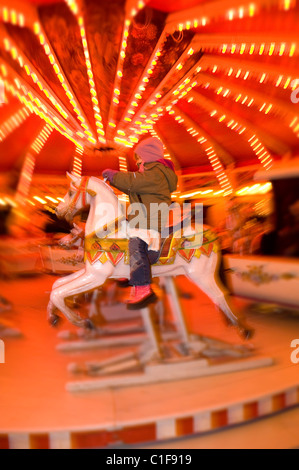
(113, 250)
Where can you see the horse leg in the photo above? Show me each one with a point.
(53, 318)
(207, 279)
(68, 278)
(87, 281)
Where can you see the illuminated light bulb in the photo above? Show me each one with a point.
(254, 142)
(14, 53)
(251, 50)
(286, 4)
(242, 49)
(5, 14)
(36, 27)
(282, 49)
(287, 83)
(279, 80)
(224, 48)
(231, 15)
(204, 21)
(261, 49)
(251, 9)
(262, 78)
(268, 109)
(292, 50)
(39, 199)
(271, 49)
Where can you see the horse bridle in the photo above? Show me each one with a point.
(81, 189)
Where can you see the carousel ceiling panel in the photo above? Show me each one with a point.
(181, 144)
(56, 156)
(13, 147)
(215, 80)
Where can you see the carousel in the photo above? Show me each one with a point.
(82, 82)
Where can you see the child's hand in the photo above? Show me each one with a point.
(108, 174)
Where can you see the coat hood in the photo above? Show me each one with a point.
(150, 150)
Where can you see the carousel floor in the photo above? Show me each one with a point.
(253, 408)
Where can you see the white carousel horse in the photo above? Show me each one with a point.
(200, 266)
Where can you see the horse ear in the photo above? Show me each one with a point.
(72, 178)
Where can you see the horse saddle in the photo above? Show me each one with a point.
(115, 249)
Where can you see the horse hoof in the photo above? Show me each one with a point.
(53, 319)
(89, 325)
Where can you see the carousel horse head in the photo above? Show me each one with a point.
(76, 199)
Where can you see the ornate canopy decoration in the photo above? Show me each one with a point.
(84, 80)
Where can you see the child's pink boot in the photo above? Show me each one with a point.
(140, 297)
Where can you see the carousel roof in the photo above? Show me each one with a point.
(84, 80)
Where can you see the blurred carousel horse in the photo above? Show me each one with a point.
(106, 255)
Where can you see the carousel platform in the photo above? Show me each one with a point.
(39, 408)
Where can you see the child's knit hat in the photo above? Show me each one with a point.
(150, 150)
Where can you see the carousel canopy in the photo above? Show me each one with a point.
(82, 81)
